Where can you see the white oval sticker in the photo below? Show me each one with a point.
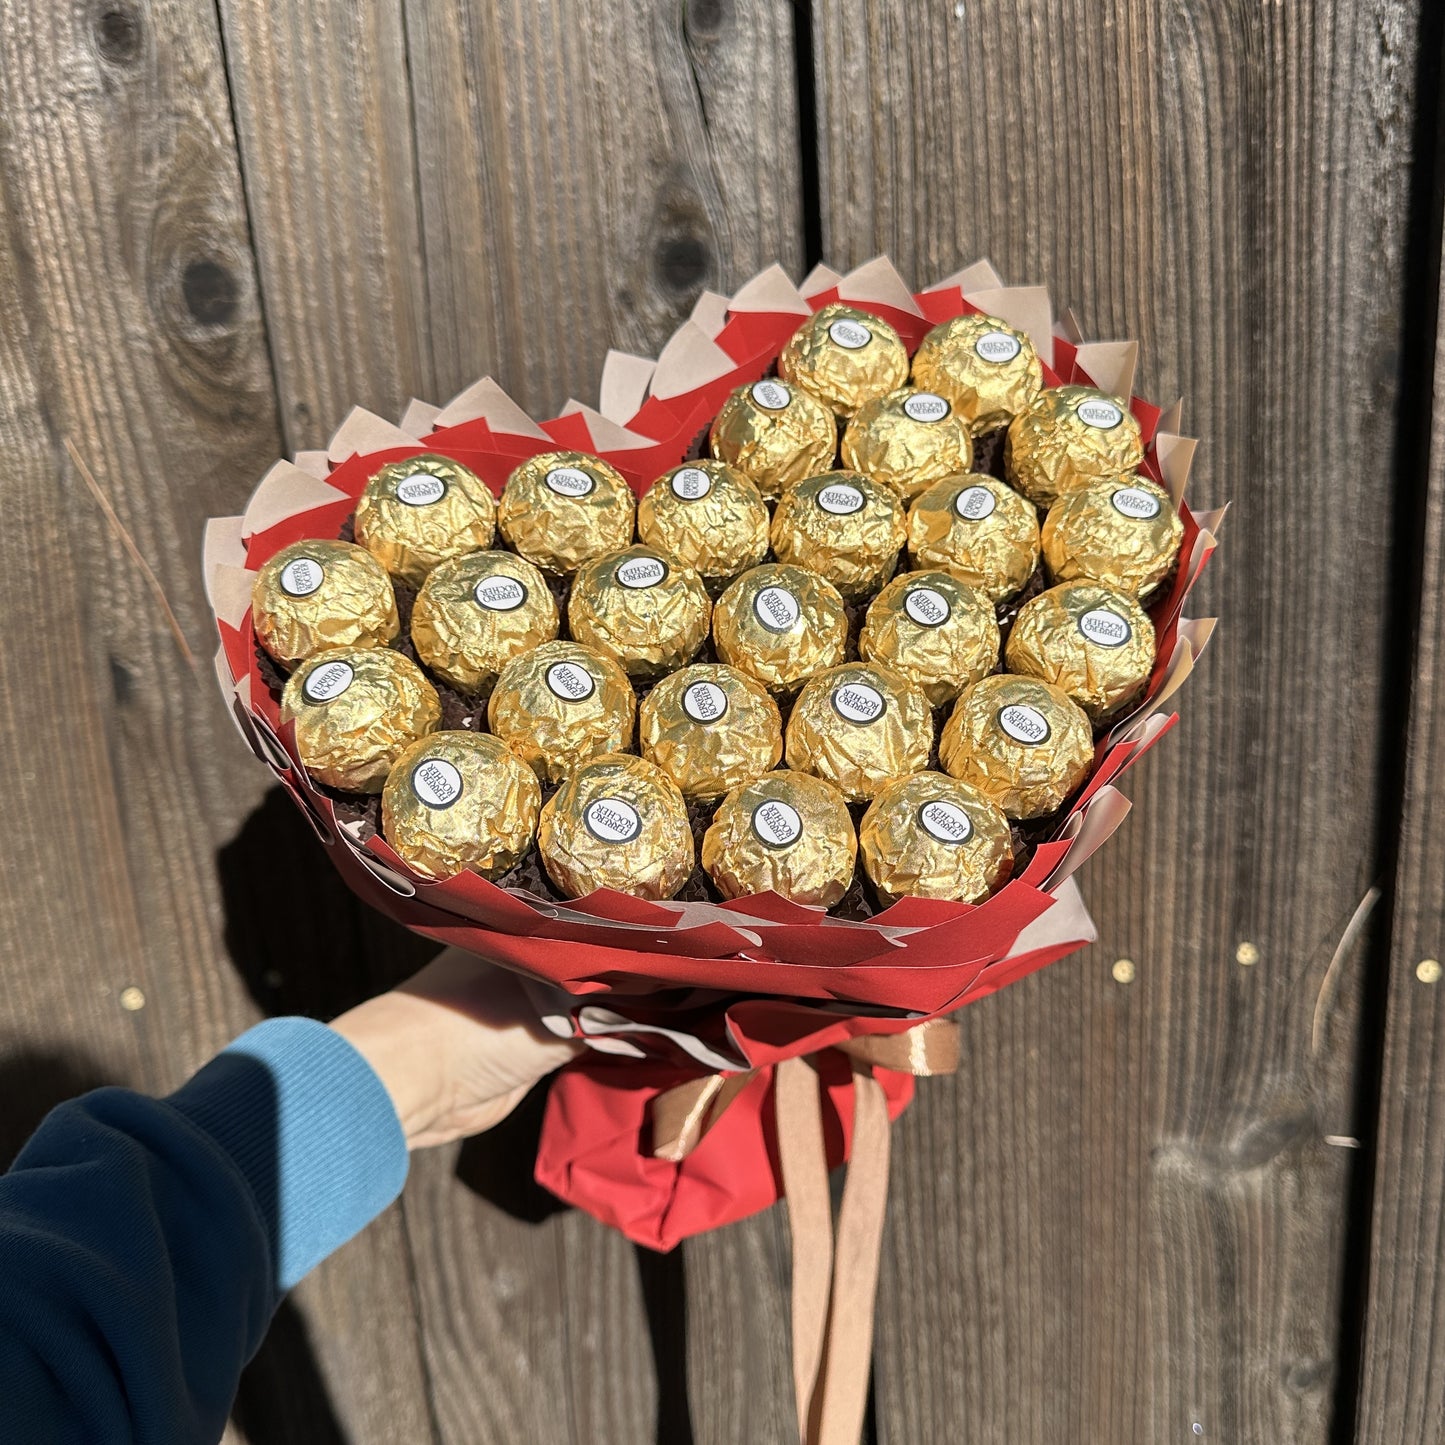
(945, 821)
(858, 702)
(997, 346)
(771, 395)
(925, 406)
(777, 824)
(927, 607)
(301, 576)
(841, 499)
(704, 702)
(777, 609)
(570, 482)
(850, 335)
(1105, 628)
(1135, 503)
(613, 820)
(421, 489)
(570, 682)
(1096, 412)
(328, 681)
(436, 782)
(973, 504)
(499, 594)
(640, 573)
(1024, 724)
(691, 484)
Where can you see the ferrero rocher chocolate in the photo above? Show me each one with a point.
(1090, 639)
(787, 832)
(931, 836)
(780, 625)
(774, 434)
(844, 357)
(561, 705)
(859, 725)
(978, 529)
(561, 509)
(933, 629)
(1123, 530)
(617, 822)
(1068, 437)
(988, 369)
(710, 728)
(476, 613)
(1021, 742)
(420, 511)
(845, 527)
(641, 606)
(356, 710)
(709, 515)
(908, 439)
(458, 800)
(315, 595)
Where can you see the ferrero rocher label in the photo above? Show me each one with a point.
(934, 630)
(780, 625)
(844, 356)
(1022, 742)
(617, 822)
(316, 595)
(642, 607)
(420, 511)
(356, 709)
(908, 439)
(786, 832)
(988, 369)
(710, 728)
(859, 725)
(1122, 530)
(560, 705)
(978, 529)
(845, 527)
(1068, 437)
(561, 509)
(774, 434)
(458, 800)
(1090, 639)
(476, 613)
(707, 514)
(931, 836)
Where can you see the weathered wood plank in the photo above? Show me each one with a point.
(1123, 1221)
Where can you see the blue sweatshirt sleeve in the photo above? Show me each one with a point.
(145, 1243)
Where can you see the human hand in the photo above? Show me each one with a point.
(457, 1047)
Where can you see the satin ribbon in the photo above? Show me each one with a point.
(835, 1279)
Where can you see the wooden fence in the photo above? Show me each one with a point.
(1197, 1197)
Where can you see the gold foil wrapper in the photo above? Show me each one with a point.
(845, 527)
(1068, 437)
(934, 630)
(422, 510)
(1123, 530)
(857, 726)
(1021, 742)
(988, 369)
(560, 706)
(641, 606)
(617, 822)
(931, 836)
(774, 434)
(316, 595)
(710, 728)
(561, 509)
(476, 613)
(780, 625)
(844, 356)
(786, 832)
(1090, 639)
(978, 529)
(356, 710)
(709, 515)
(908, 439)
(458, 800)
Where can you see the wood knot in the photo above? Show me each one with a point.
(683, 262)
(705, 18)
(211, 292)
(119, 33)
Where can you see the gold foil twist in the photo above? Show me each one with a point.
(844, 356)
(976, 528)
(908, 439)
(988, 369)
(774, 434)
(316, 595)
(642, 607)
(1068, 437)
(707, 514)
(561, 509)
(419, 511)
(780, 625)
(844, 526)
(1122, 530)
